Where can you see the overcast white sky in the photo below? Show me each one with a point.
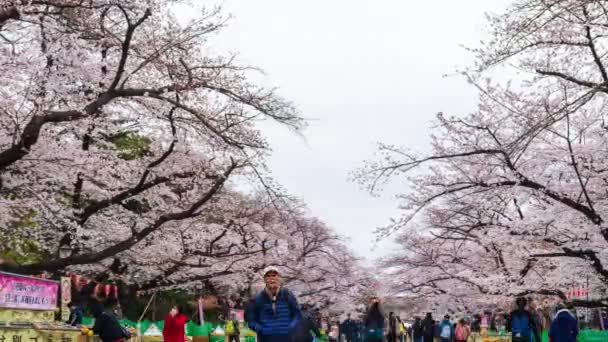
(362, 71)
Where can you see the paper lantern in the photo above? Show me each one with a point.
(97, 289)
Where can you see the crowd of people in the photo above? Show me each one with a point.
(523, 324)
(275, 316)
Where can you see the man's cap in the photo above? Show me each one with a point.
(271, 269)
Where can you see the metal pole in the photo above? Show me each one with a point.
(587, 311)
(154, 309)
(587, 289)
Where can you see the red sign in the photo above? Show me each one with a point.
(238, 314)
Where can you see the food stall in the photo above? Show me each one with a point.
(27, 311)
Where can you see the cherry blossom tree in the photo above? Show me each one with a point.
(229, 249)
(315, 262)
(122, 144)
(511, 198)
(116, 125)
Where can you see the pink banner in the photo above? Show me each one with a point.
(18, 292)
(238, 314)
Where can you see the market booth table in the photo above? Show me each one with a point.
(27, 311)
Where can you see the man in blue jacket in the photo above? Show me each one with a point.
(274, 312)
(564, 327)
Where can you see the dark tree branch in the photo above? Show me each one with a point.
(7, 14)
(598, 303)
(575, 165)
(526, 269)
(522, 181)
(126, 46)
(93, 257)
(574, 80)
(138, 189)
(32, 129)
(544, 292)
(31, 132)
(163, 280)
(587, 255)
(142, 185)
(593, 49)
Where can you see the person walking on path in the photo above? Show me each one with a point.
(536, 319)
(175, 322)
(306, 327)
(522, 324)
(446, 330)
(374, 322)
(392, 327)
(232, 329)
(274, 313)
(428, 328)
(106, 325)
(401, 330)
(76, 313)
(348, 328)
(417, 330)
(462, 331)
(564, 327)
(476, 325)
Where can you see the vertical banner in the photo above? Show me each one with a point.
(66, 298)
(201, 313)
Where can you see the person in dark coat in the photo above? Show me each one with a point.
(476, 325)
(306, 327)
(417, 330)
(76, 313)
(374, 322)
(348, 328)
(246, 313)
(106, 325)
(564, 327)
(536, 319)
(358, 331)
(428, 328)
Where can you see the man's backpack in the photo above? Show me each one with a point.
(124, 331)
(428, 328)
(520, 327)
(229, 328)
(461, 333)
(446, 331)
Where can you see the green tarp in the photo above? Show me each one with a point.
(192, 329)
(87, 320)
(221, 339)
(589, 335)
